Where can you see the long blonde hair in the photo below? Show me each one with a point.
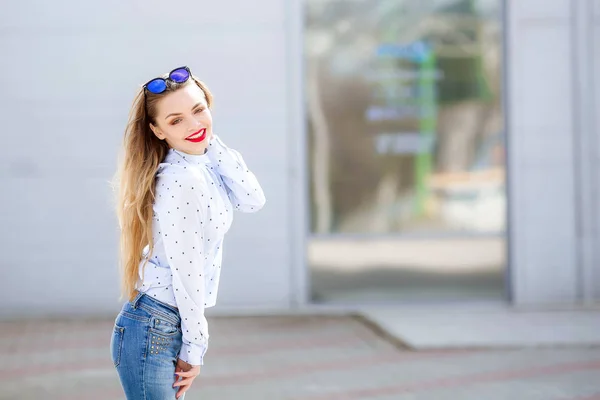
(134, 181)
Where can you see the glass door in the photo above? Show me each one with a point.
(405, 150)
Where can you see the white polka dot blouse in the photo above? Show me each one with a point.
(194, 199)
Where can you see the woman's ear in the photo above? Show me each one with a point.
(157, 132)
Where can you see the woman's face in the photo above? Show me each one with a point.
(183, 119)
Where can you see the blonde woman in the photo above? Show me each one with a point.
(178, 185)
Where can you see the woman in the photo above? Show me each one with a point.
(178, 184)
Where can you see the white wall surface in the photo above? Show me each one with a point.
(585, 60)
(541, 151)
(594, 113)
(68, 75)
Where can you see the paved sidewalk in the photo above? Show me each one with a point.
(491, 325)
(295, 358)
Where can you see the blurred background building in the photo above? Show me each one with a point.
(410, 150)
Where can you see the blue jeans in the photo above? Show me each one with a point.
(144, 346)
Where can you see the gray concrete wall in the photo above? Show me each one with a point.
(68, 76)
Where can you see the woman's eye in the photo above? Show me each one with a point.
(199, 110)
(175, 121)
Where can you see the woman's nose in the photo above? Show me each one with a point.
(194, 126)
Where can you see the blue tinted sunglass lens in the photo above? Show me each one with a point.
(157, 86)
(179, 75)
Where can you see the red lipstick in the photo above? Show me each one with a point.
(199, 138)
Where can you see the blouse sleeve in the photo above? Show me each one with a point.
(181, 218)
(243, 189)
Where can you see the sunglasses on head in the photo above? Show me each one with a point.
(159, 85)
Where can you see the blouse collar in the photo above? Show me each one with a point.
(195, 159)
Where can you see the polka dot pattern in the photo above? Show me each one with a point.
(195, 196)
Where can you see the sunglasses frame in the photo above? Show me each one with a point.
(168, 78)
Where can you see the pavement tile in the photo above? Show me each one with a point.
(295, 357)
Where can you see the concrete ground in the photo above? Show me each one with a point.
(297, 357)
(487, 325)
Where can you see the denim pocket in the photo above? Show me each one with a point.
(116, 343)
(161, 344)
(163, 326)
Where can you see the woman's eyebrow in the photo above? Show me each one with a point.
(195, 105)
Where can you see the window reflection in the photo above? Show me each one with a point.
(404, 115)
(405, 135)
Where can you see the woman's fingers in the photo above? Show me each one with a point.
(184, 384)
(177, 369)
(184, 381)
(182, 390)
(186, 374)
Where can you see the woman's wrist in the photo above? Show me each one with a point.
(187, 363)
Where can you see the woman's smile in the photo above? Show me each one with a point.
(200, 138)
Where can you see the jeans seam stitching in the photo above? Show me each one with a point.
(135, 317)
(120, 329)
(144, 367)
(164, 315)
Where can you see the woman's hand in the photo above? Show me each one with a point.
(187, 372)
